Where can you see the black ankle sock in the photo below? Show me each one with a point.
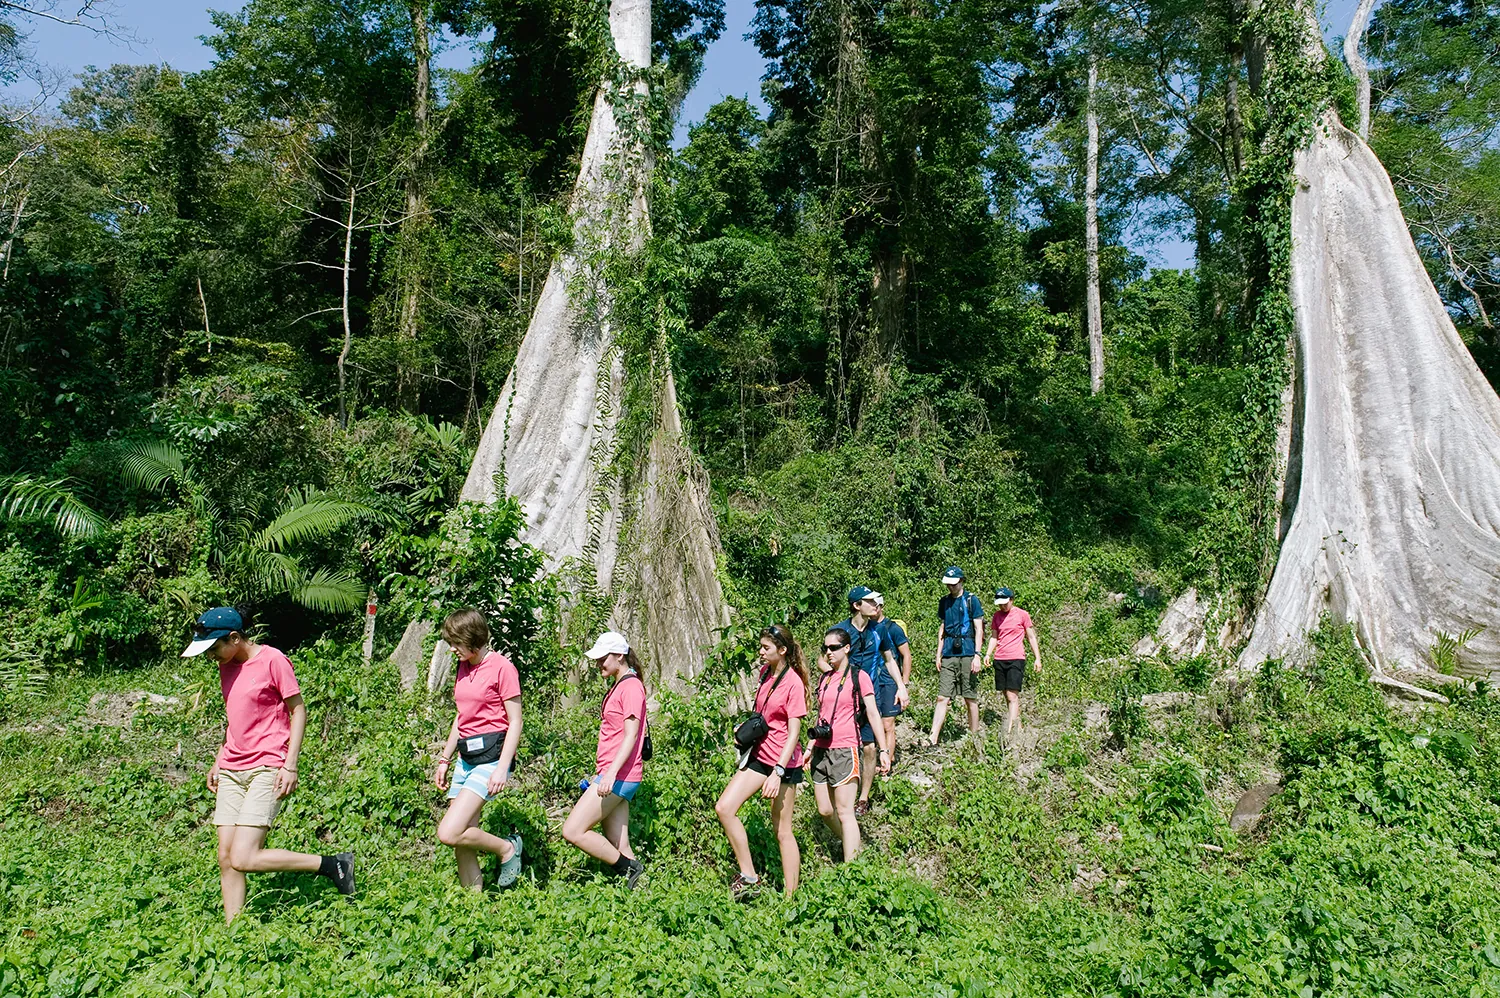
(328, 867)
(622, 865)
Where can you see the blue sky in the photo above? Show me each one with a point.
(169, 31)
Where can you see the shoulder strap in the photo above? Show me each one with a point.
(779, 677)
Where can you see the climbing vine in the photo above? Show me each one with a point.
(1298, 86)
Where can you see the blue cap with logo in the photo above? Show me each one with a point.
(952, 574)
(220, 622)
(860, 592)
(1003, 595)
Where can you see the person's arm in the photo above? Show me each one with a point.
(286, 780)
(878, 729)
(978, 624)
(772, 786)
(508, 750)
(906, 662)
(903, 697)
(989, 651)
(607, 778)
(445, 760)
(1036, 650)
(937, 657)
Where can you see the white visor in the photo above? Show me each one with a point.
(198, 647)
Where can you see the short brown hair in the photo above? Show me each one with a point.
(467, 628)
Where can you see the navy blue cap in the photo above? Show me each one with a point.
(1003, 593)
(220, 622)
(952, 574)
(860, 592)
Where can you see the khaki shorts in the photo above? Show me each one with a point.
(956, 678)
(834, 766)
(247, 797)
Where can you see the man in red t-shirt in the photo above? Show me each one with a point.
(257, 767)
(1009, 625)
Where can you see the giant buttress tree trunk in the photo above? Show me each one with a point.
(550, 440)
(1393, 470)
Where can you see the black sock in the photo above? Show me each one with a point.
(328, 867)
(622, 865)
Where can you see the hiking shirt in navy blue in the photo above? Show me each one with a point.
(893, 637)
(958, 615)
(865, 647)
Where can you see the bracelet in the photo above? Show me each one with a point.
(441, 761)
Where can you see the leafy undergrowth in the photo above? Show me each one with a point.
(1094, 858)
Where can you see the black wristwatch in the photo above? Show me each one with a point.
(780, 771)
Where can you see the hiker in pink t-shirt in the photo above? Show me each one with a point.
(773, 764)
(257, 767)
(843, 689)
(486, 733)
(619, 762)
(1008, 627)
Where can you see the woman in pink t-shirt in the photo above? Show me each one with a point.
(486, 733)
(619, 762)
(774, 766)
(835, 742)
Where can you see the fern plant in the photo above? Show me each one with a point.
(257, 558)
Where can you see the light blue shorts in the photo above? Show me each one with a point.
(475, 778)
(620, 789)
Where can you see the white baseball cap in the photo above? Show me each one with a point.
(877, 599)
(608, 643)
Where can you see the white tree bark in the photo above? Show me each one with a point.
(1394, 465)
(1355, 35)
(1091, 235)
(551, 436)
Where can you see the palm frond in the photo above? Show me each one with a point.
(152, 464)
(264, 571)
(52, 500)
(330, 591)
(308, 517)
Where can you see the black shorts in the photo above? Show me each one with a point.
(1009, 673)
(765, 769)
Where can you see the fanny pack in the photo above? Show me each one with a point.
(477, 750)
(753, 729)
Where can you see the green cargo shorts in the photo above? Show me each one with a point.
(956, 678)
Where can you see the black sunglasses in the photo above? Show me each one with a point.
(835, 647)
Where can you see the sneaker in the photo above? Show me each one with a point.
(861, 808)
(633, 874)
(343, 872)
(511, 868)
(742, 889)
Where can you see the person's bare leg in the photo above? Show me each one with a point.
(824, 799)
(231, 881)
(939, 715)
(460, 830)
(616, 826)
(578, 830)
(786, 838)
(745, 784)
(249, 855)
(890, 736)
(973, 706)
(844, 798)
(1013, 718)
(867, 770)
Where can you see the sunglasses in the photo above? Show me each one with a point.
(834, 647)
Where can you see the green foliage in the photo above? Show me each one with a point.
(476, 559)
(52, 502)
